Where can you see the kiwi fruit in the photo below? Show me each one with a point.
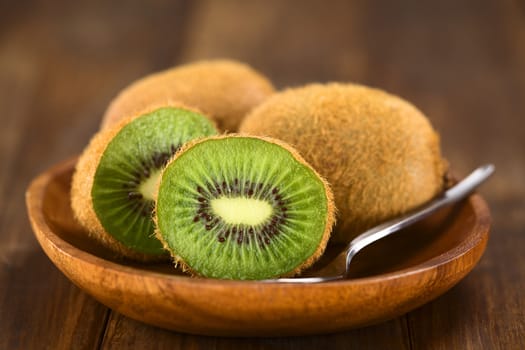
(240, 207)
(225, 90)
(379, 153)
(115, 178)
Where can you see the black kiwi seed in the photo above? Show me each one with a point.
(139, 204)
(252, 190)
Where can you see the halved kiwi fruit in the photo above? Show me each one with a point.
(379, 153)
(115, 178)
(225, 90)
(240, 207)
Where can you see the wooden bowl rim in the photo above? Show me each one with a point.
(35, 195)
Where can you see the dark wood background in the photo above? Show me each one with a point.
(461, 62)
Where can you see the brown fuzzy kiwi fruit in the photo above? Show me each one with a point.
(115, 177)
(242, 207)
(379, 153)
(225, 90)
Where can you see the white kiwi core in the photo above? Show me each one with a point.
(239, 210)
(148, 187)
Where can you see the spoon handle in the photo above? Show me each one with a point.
(453, 194)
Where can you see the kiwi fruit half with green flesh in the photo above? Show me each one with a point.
(115, 179)
(238, 207)
(225, 90)
(379, 153)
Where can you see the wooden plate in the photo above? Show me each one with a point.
(389, 278)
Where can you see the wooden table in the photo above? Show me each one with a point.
(461, 62)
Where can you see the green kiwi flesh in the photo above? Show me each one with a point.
(235, 207)
(125, 179)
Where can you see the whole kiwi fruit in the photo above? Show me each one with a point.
(225, 90)
(240, 207)
(112, 191)
(379, 152)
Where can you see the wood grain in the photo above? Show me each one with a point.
(59, 65)
(462, 63)
(123, 332)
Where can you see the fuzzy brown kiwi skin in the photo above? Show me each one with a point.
(345, 132)
(330, 219)
(225, 90)
(82, 184)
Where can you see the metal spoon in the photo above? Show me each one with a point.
(452, 195)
